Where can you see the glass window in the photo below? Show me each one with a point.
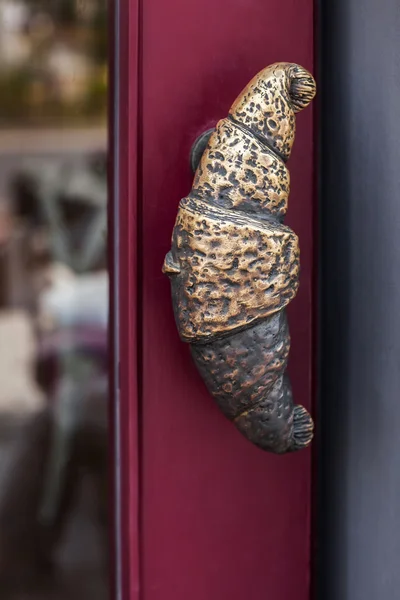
(53, 299)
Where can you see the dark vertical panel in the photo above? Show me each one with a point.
(360, 298)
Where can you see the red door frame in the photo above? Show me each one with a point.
(124, 268)
(126, 219)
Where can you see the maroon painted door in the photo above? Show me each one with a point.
(201, 513)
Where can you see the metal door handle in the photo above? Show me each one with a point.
(234, 266)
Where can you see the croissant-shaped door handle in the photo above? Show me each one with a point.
(234, 266)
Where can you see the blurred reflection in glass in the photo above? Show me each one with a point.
(53, 299)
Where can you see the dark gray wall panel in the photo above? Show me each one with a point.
(359, 543)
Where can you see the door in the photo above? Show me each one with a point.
(200, 512)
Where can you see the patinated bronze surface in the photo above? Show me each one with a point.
(234, 266)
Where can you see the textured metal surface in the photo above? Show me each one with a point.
(230, 270)
(234, 266)
(242, 173)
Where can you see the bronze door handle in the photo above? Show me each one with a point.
(234, 266)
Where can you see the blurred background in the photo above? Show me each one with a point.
(53, 299)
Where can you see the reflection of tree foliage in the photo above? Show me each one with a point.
(70, 12)
(14, 99)
(65, 11)
(24, 100)
(100, 46)
(26, 91)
